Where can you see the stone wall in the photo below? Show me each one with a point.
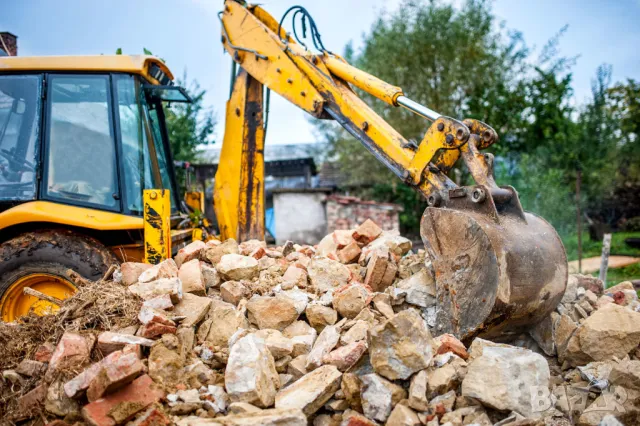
(344, 212)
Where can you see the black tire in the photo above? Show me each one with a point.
(53, 251)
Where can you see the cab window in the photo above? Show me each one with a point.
(137, 162)
(19, 134)
(81, 163)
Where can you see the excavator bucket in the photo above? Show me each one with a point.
(497, 269)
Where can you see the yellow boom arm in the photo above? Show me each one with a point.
(320, 84)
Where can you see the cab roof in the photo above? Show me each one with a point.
(133, 64)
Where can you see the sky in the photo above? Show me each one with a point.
(186, 33)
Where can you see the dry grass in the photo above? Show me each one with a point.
(96, 307)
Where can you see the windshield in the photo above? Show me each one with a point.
(19, 118)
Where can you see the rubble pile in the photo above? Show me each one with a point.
(340, 333)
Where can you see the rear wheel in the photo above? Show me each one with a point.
(40, 260)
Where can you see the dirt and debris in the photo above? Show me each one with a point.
(335, 334)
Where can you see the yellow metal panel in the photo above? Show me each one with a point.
(134, 64)
(195, 200)
(362, 80)
(45, 211)
(277, 72)
(157, 223)
(239, 184)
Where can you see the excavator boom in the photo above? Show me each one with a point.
(497, 269)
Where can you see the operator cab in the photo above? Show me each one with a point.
(87, 132)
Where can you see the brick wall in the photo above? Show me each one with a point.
(345, 212)
(11, 42)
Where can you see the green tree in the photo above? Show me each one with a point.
(460, 63)
(189, 125)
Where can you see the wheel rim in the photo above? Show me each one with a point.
(15, 304)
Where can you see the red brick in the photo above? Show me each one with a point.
(389, 276)
(258, 253)
(366, 232)
(376, 269)
(44, 352)
(155, 329)
(73, 351)
(154, 416)
(150, 315)
(123, 405)
(189, 252)
(449, 343)
(131, 271)
(349, 253)
(342, 238)
(76, 387)
(113, 374)
(33, 399)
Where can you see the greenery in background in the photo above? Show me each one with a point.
(594, 248)
(463, 63)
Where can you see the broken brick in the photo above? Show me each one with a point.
(378, 278)
(449, 343)
(366, 232)
(113, 374)
(123, 405)
(149, 315)
(73, 351)
(349, 253)
(44, 352)
(154, 416)
(155, 329)
(189, 252)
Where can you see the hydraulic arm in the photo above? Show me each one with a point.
(496, 267)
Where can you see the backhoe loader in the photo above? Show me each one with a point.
(497, 268)
(81, 138)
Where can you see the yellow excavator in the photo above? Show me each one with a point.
(87, 136)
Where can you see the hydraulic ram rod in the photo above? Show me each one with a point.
(417, 108)
(374, 86)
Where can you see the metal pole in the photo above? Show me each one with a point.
(604, 260)
(579, 218)
(417, 108)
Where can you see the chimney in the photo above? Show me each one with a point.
(9, 43)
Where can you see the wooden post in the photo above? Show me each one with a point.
(604, 260)
(579, 217)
